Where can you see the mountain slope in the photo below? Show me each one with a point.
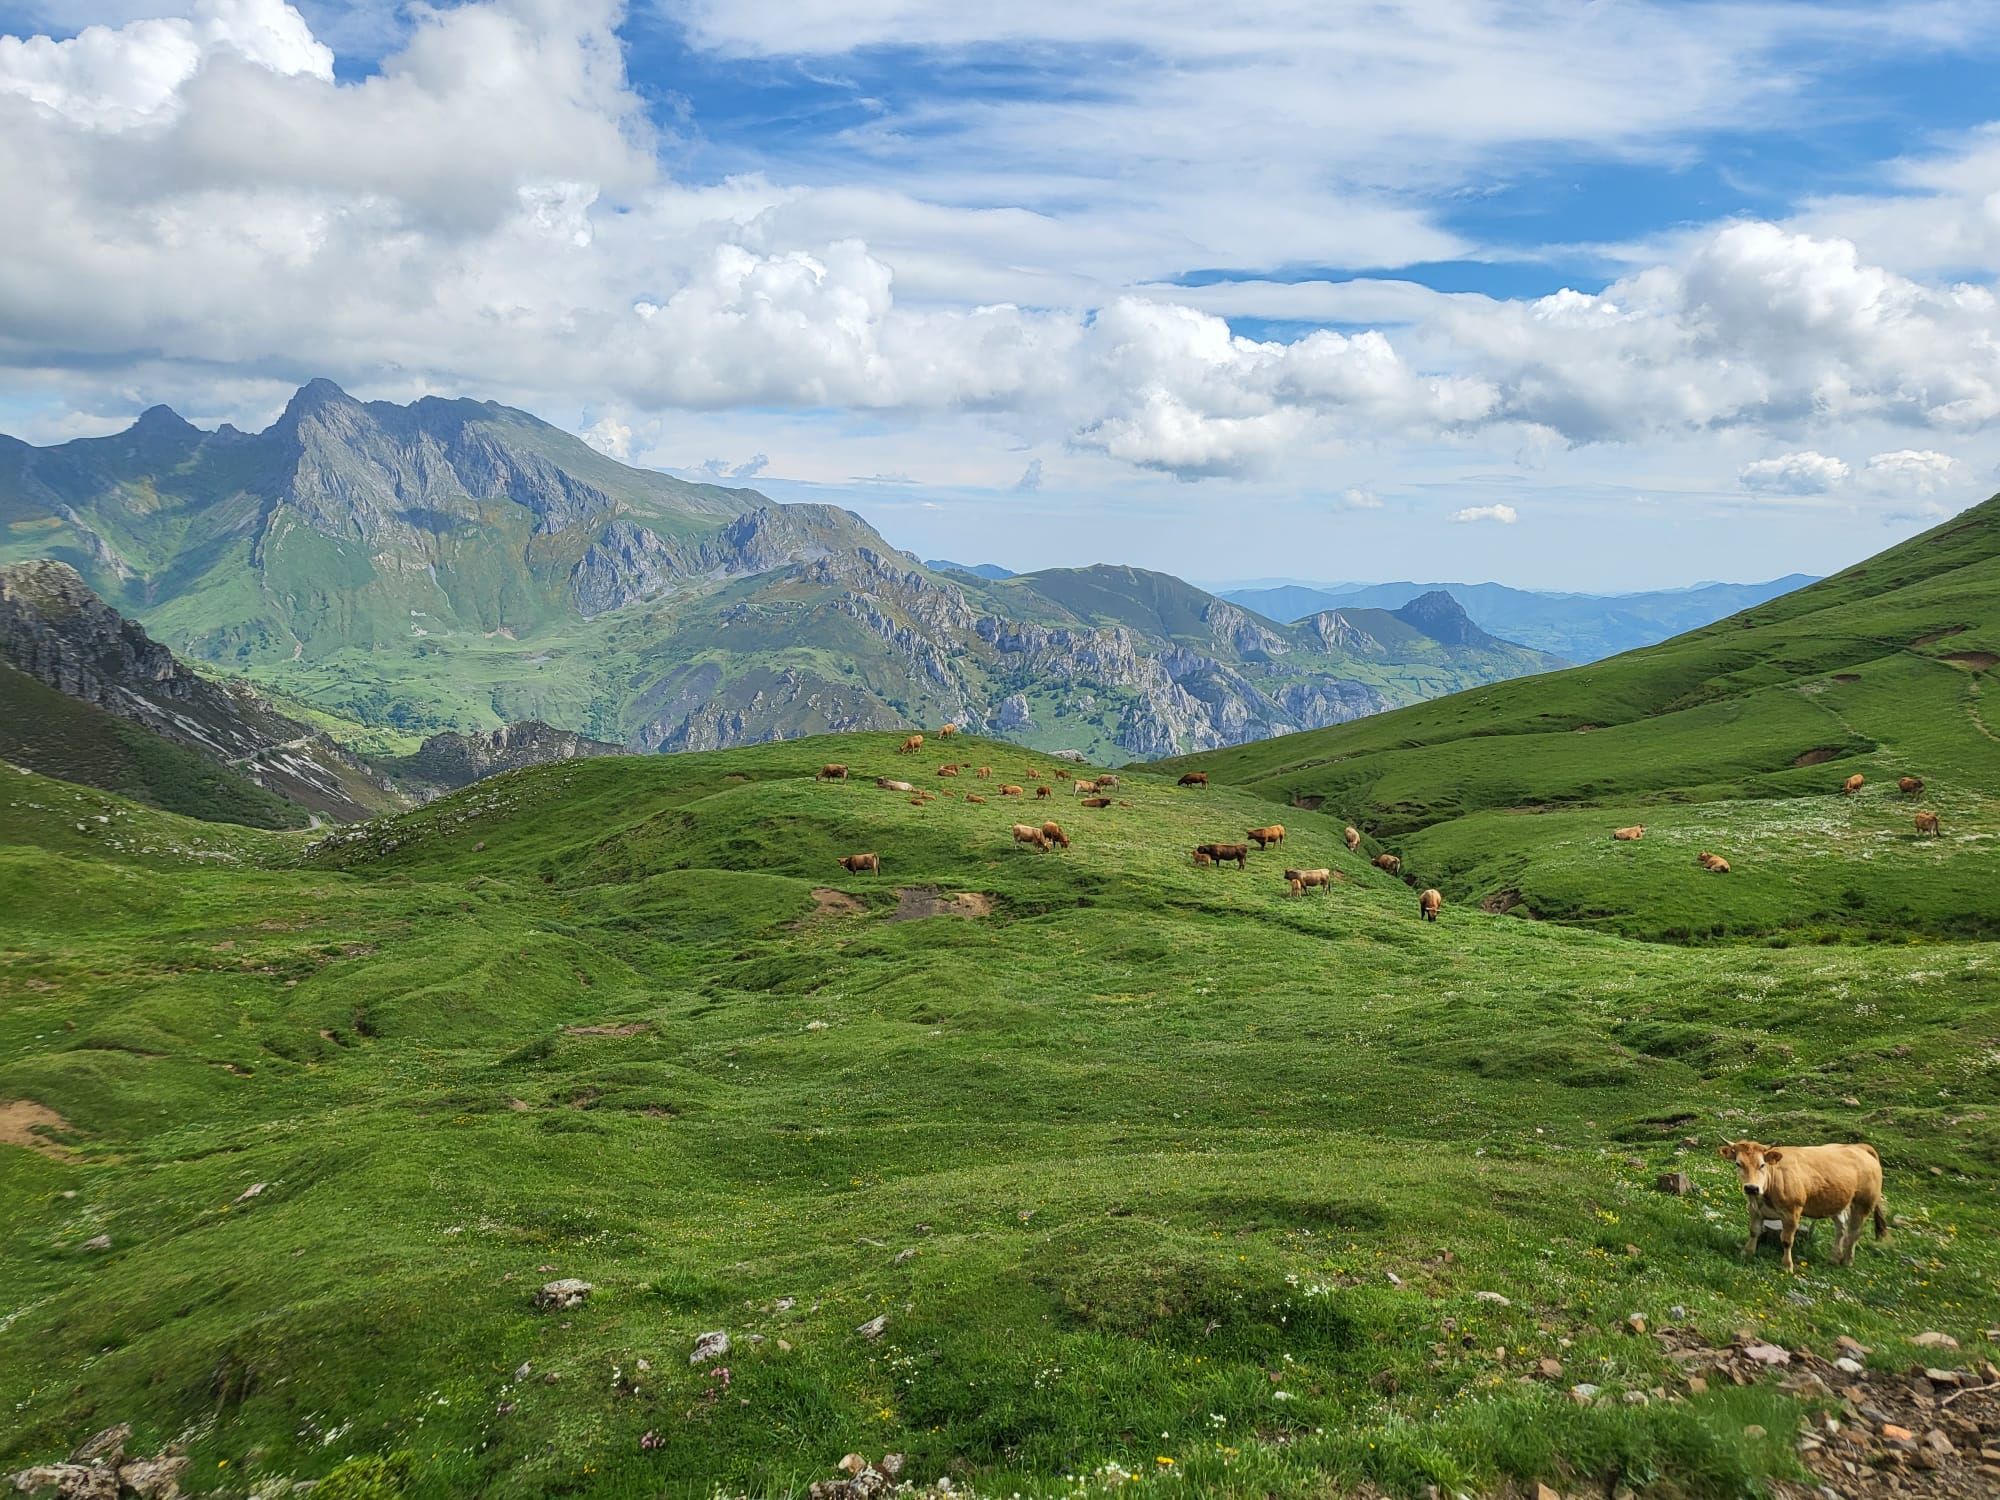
(1733, 739)
(1577, 627)
(454, 566)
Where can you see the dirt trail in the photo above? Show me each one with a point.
(23, 1123)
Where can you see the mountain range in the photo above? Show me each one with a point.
(1578, 627)
(457, 566)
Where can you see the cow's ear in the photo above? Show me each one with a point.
(1728, 1150)
(1773, 1155)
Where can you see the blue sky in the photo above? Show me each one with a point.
(1592, 296)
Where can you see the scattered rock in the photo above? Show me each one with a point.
(1584, 1393)
(903, 1257)
(1697, 1385)
(1898, 1437)
(522, 1371)
(1677, 1183)
(1754, 1433)
(1494, 1297)
(153, 1478)
(1636, 1323)
(1848, 1366)
(254, 1190)
(815, 1026)
(106, 1447)
(1851, 1346)
(1766, 1354)
(874, 1327)
(1394, 1279)
(851, 1465)
(561, 1296)
(103, 1242)
(1550, 1369)
(1932, 1339)
(709, 1346)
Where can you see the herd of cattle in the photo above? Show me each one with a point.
(1782, 1185)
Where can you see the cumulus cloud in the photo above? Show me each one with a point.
(1806, 473)
(610, 437)
(1911, 471)
(1503, 515)
(1360, 499)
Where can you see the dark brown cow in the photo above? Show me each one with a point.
(1927, 823)
(1789, 1183)
(1910, 786)
(1054, 834)
(1095, 802)
(1042, 792)
(1264, 838)
(1193, 778)
(1107, 783)
(1222, 854)
(831, 773)
(1429, 904)
(1389, 862)
(854, 864)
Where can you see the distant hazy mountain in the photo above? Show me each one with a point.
(1580, 627)
(454, 566)
(988, 571)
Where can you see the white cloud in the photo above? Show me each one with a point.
(1504, 515)
(1911, 471)
(1359, 499)
(610, 437)
(1805, 473)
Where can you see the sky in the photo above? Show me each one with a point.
(1580, 294)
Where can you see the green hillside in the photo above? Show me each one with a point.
(1734, 739)
(1151, 1170)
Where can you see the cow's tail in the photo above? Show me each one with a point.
(1881, 1220)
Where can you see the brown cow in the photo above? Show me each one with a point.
(1083, 788)
(1095, 802)
(919, 800)
(1042, 792)
(1389, 862)
(1010, 790)
(948, 731)
(1852, 785)
(854, 864)
(1054, 834)
(1429, 903)
(985, 773)
(947, 770)
(888, 784)
(1300, 880)
(1193, 778)
(974, 797)
(1353, 837)
(1714, 862)
(831, 773)
(1789, 1183)
(1025, 833)
(1629, 835)
(1107, 783)
(1264, 838)
(1202, 859)
(911, 745)
(1927, 823)
(1223, 853)
(1910, 786)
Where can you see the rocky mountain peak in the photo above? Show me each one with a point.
(1442, 618)
(160, 421)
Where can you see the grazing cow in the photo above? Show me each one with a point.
(1429, 904)
(1629, 835)
(1010, 790)
(1353, 837)
(1927, 823)
(985, 773)
(854, 864)
(831, 773)
(1910, 786)
(1390, 862)
(888, 784)
(1095, 802)
(1264, 838)
(1083, 788)
(1852, 785)
(1223, 853)
(1193, 778)
(1301, 880)
(947, 770)
(1201, 859)
(974, 797)
(1042, 792)
(1054, 834)
(1027, 833)
(1714, 862)
(911, 745)
(1789, 1183)
(948, 731)
(1107, 783)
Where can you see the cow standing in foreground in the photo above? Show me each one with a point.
(1054, 834)
(1927, 823)
(1025, 833)
(1390, 862)
(1789, 1183)
(1910, 786)
(1223, 853)
(1429, 904)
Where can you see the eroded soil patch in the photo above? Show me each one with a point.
(916, 901)
(1937, 635)
(609, 1028)
(1978, 661)
(35, 1126)
(827, 902)
(1816, 757)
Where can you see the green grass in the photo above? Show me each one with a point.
(1157, 1135)
(1734, 739)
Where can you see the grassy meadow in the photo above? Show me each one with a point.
(1165, 1181)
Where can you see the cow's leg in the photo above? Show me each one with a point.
(1857, 1215)
(1785, 1234)
(1756, 1228)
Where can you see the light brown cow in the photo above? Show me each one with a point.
(1353, 837)
(1193, 778)
(1042, 792)
(948, 731)
(1714, 862)
(1789, 1183)
(854, 864)
(1852, 785)
(889, 784)
(1010, 790)
(1264, 838)
(1083, 788)
(1095, 802)
(831, 773)
(1222, 854)
(1301, 880)
(1927, 823)
(1201, 859)
(1054, 834)
(1910, 786)
(1107, 783)
(947, 770)
(1390, 862)
(919, 800)
(985, 773)
(974, 797)
(1026, 833)
(1429, 904)
(911, 745)
(1629, 835)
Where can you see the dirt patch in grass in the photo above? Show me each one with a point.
(827, 902)
(26, 1123)
(1587, 728)
(1307, 804)
(1937, 635)
(1501, 902)
(1846, 677)
(1978, 661)
(917, 901)
(609, 1028)
(1816, 757)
